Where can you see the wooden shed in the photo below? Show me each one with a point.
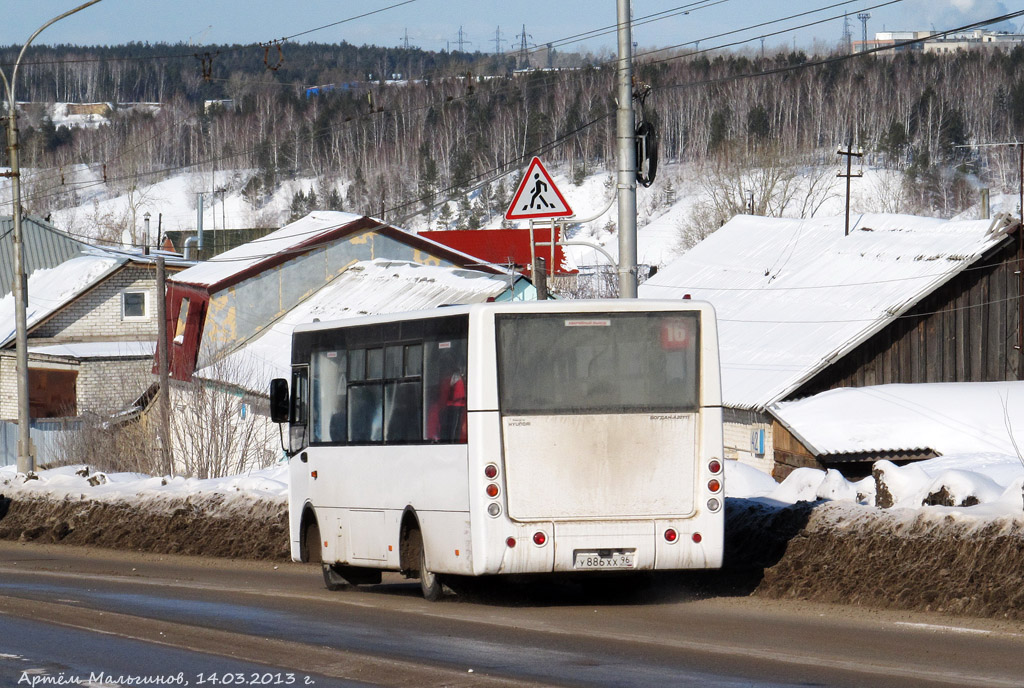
(804, 307)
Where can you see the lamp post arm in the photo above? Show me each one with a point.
(26, 461)
(17, 63)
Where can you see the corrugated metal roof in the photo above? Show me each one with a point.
(44, 246)
(367, 287)
(794, 295)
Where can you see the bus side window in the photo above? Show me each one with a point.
(445, 376)
(403, 402)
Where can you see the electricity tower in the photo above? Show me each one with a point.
(524, 53)
(462, 42)
(864, 16)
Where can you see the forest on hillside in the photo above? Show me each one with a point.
(397, 148)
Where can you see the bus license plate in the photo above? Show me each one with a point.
(604, 559)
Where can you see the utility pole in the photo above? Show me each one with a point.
(850, 155)
(625, 134)
(167, 465)
(497, 41)
(847, 39)
(405, 40)
(26, 460)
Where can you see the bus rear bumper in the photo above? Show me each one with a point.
(583, 547)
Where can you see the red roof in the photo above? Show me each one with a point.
(503, 246)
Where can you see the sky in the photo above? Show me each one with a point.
(435, 24)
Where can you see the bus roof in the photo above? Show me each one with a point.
(559, 306)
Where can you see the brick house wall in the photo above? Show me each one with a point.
(98, 314)
(8, 388)
(107, 385)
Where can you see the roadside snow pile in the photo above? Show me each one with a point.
(240, 516)
(985, 484)
(950, 538)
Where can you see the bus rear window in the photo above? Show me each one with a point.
(598, 363)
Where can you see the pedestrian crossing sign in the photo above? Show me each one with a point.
(537, 196)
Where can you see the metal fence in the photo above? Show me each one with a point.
(45, 436)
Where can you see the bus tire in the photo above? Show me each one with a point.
(430, 584)
(311, 550)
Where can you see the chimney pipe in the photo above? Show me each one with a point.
(986, 210)
(145, 234)
(199, 222)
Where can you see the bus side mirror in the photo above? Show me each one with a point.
(279, 400)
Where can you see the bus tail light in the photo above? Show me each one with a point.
(671, 535)
(492, 490)
(714, 485)
(696, 537)
(491, 471)
(510, 542)
(539, 538)
(494, 509)
(715, 466)
(714, 504)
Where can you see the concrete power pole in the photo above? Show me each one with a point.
(26, 460)
(625, 135)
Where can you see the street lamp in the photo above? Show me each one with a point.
(26, 462)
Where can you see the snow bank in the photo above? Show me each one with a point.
(82, 482)
(984, 485)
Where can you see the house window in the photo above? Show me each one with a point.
(179, 328)
(133, 305)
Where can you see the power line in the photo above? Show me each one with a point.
(735, 77)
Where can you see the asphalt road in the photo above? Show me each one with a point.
(119, 618)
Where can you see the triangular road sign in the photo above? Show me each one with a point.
(537, 196)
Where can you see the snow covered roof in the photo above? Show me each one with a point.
(367, 287)
(794, 295)
(52, 288)
(242, 258)
(953, 417)
(84, 350)
(313, 229)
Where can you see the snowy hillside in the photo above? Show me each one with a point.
(669, 212)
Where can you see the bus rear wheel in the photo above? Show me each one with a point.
(414, 554)
(430, 584)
